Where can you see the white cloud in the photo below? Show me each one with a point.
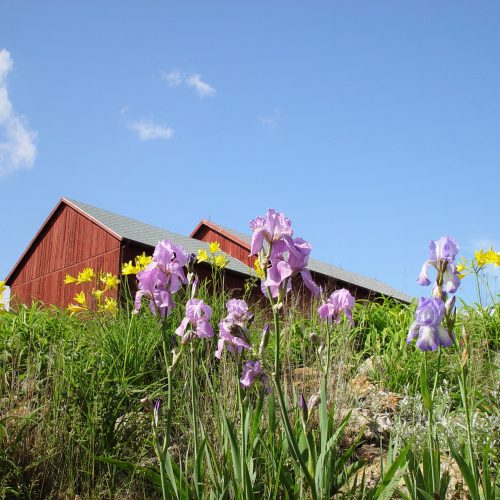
(17, 141)
(191, 80)
(148, 130)
(174, 78)
(271, 121)
(202, 88)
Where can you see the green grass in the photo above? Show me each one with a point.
(70, 391)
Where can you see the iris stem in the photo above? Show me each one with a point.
(430, 412)
(437, 375)
(242, 429)
(195, 419)
(465, 402)
(281, 400)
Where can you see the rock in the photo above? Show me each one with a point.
(361, 386)
(372, 457)
(307, 380)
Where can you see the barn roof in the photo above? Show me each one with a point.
(145, 234)
(320, 267)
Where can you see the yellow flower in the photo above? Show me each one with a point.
(142, 261)
(214, 246)
(480, 258)
(492, 257)
(73, 308)
(202, 255)
(81, 299)
(69, 279)
(110, 305)
(258, 269)
(86, 275)
(110, 280)
(128, 268)
(98, 293)
(221, 260)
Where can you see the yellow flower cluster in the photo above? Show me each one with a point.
(258, 269)
(141, 262)
(215, 257)
(85, 276)
(478, 262)
(109, 282)
(2, 289)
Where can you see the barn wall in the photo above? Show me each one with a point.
(67, 244)
(227, 245)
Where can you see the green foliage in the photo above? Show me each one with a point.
(71, 422)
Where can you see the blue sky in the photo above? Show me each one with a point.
(374, 126)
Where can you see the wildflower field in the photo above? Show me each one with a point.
(187, 392)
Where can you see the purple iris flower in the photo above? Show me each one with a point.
(232, 329)
(427, 325)
(288, 263)
(161, 278)
(197, 318)
(274, 227)
(285, 256)
(252, 371)
(340, 301)
(152, 284)
(171, 259)
(444, 249)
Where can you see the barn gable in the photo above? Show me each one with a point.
(67, 242)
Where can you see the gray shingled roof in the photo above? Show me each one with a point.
(326, 269)
(133, 230)
(150, 235)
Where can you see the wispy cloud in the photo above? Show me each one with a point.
(272, 120)
(174, 78)
(202, 88)
(17, 141)
(194, 81)
(148, 130)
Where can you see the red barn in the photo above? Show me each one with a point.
(76, 235)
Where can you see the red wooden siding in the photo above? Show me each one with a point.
(51, 288)
(68, 243)
(234, 248)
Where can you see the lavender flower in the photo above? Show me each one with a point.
(442, 252)
(283, 257)
(161, 278)
(197, 318)
(285, 264)
(427, 326)
(153, 284)
(252, 371)
(233, 328)
(273, 227)
(340, 301)
(171, 259)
